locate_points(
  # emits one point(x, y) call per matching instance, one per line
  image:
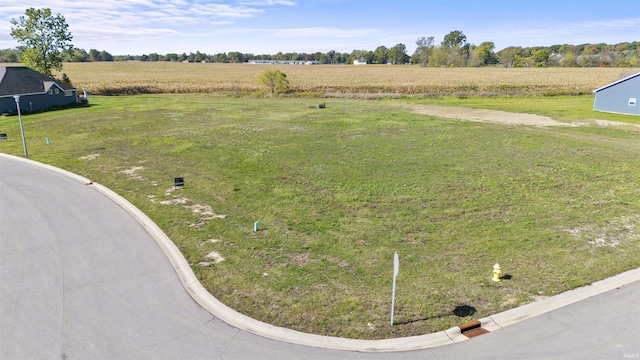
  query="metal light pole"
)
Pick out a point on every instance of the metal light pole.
point(24, 141)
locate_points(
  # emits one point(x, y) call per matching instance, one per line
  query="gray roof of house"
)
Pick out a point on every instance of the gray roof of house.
point(21, 80)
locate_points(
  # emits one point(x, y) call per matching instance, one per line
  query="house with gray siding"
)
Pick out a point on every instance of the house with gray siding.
point(619, 97)
point(37, 91)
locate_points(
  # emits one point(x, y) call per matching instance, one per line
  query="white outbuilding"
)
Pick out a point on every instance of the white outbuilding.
point(360, 61)
point(619, 97)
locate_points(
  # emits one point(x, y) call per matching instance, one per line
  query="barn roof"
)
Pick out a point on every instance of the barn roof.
point(617, 82)
point(21, 80)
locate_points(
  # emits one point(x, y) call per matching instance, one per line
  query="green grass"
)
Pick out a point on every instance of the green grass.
point(336, 191)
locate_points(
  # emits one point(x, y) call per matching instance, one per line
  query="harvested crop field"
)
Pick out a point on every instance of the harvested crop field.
point(122, 78)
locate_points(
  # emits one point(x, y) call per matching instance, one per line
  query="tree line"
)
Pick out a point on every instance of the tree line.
point(449, 53)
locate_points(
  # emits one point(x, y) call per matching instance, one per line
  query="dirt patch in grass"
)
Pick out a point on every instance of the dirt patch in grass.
point(205, 210)
point(501, 117)
point(611, 235)
point(215, 257)
point(483, 115)
point(299, 259)
point(89, 157)
point(174, 201)
point(131, 172)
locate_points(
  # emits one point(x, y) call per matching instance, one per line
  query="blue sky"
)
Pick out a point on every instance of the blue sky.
point(267, 26)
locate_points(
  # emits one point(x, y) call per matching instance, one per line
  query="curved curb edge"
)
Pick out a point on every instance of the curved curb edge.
point(243, 322)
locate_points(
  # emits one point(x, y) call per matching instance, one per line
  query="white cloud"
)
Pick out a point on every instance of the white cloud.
point(321, 32)
point(223, 11)
point(618, 24)
point(130, 20)
point(268, 2)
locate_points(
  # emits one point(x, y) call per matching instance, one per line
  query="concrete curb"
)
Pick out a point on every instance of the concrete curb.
point(533, 309)
point(242, 322)
point(62, 172)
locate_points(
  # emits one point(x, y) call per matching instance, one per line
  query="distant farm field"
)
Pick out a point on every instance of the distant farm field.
point(126, 78)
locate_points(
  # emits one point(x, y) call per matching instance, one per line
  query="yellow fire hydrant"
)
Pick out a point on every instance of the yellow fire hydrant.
point(496, 272)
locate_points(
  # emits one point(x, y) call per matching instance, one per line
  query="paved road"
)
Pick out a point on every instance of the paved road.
point(80, 278)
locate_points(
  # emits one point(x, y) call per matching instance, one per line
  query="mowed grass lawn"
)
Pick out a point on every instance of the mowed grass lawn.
point(337, 191)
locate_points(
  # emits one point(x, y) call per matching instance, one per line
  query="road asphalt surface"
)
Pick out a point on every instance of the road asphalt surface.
point(81, 277)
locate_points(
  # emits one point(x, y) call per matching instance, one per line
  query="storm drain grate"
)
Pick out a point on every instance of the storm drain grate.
point(472, 329)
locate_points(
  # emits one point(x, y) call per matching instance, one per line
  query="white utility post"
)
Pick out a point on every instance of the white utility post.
point(24, 141)
point(396, 268)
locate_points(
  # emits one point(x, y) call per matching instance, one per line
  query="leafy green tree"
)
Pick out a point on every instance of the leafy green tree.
point(45, 38)
point(566, 49)
point(293, 56)
point(484, 54)
point(398, 54)
point(569, 60)
point(456, 47)
point(105, 56)
point(327, 58)
point(222, 58)
point(508, 56)
point(332, 56)
point(65, 79)
point(541, 57)
point(424, 50)
point(237, 57)
point(454, 39)
point(9, 56)
point(380, 55)
point(78, 55)
point(94, 55)
point(274, 80)
point(171, 57)
point(439, 57)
